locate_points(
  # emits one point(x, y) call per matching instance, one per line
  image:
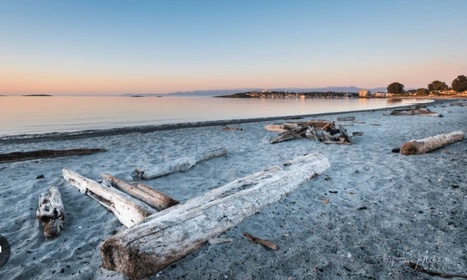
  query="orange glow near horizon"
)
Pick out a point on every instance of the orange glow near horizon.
point(114, 82)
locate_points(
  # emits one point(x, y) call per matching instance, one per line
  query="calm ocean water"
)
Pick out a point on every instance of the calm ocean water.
point(33, 115)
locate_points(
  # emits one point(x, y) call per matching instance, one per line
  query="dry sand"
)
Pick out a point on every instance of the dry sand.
point(416, 206)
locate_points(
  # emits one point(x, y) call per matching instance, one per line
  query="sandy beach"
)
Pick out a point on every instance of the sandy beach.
point(413, 208)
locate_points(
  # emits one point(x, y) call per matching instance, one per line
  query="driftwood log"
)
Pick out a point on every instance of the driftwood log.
point(169, 235)
point(51, 212)
point(414, 111)
point(178, 165)
point(129, 211)
point(22, 156)
point(151, 197)
point(290, 134)
point(292, 125)
point(418, 147)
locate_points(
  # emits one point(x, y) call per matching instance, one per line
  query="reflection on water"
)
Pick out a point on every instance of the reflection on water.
point(27, 115)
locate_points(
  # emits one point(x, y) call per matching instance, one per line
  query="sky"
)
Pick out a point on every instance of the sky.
point(161, 46)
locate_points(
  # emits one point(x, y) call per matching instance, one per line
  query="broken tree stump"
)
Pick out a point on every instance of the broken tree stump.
point(178, 165)
point(151, 197)
point(51, 212)
point(418, 147)
point(22, 156)
point(129, 211)
point(169, 235)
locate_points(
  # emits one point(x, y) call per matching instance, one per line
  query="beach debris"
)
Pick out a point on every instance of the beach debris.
point(215, 241)
point(357, 133)
point(232, 128)
point(434, 273)
point(178, 165)
point(22, 156)
point(291, 125)
point(362, 208)
point(151, 197)
point(170, 235)
point(265, 243)
point(322, 131)
point(325, 201)
point(346, 119)
point(461, 104)
point(418, 147)
point(39, 177)
point(414, 111)
point(129, 211)
point(51, 212)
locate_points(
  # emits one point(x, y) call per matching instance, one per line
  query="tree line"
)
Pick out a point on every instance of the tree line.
point(459, 84)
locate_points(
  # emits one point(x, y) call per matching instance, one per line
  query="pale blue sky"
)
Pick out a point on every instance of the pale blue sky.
point(164, 46)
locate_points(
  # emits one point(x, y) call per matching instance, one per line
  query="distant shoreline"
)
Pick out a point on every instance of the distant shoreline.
point(37, 95)
point(61, 136)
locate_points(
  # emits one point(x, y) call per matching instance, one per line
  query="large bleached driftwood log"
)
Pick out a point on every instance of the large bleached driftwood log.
point(179, 165)
point(129, 211)
point(169, 235)
point(51, 212)
point(149, 196)
point(418, 147)
point(21, 156)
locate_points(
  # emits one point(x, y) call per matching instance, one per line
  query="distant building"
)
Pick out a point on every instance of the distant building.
point(364, 93)
point(379, 94)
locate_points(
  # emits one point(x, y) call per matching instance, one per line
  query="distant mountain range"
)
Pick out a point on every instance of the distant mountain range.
point(219, 92)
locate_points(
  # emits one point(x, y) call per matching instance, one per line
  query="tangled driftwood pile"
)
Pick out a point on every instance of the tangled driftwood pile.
point(320, 130)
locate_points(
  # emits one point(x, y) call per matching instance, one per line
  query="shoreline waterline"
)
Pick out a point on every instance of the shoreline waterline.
point(81, 134)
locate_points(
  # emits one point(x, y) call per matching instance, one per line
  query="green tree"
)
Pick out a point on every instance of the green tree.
point(422, 91)
point(460, 83)
point(437, 85)
point(396, 88)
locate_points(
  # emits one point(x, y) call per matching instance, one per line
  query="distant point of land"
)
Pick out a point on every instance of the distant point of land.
point(38, 95)
point(284, 94)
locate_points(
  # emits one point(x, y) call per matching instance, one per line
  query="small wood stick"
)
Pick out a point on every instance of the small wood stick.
point(265, 243)
point(434, 273)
